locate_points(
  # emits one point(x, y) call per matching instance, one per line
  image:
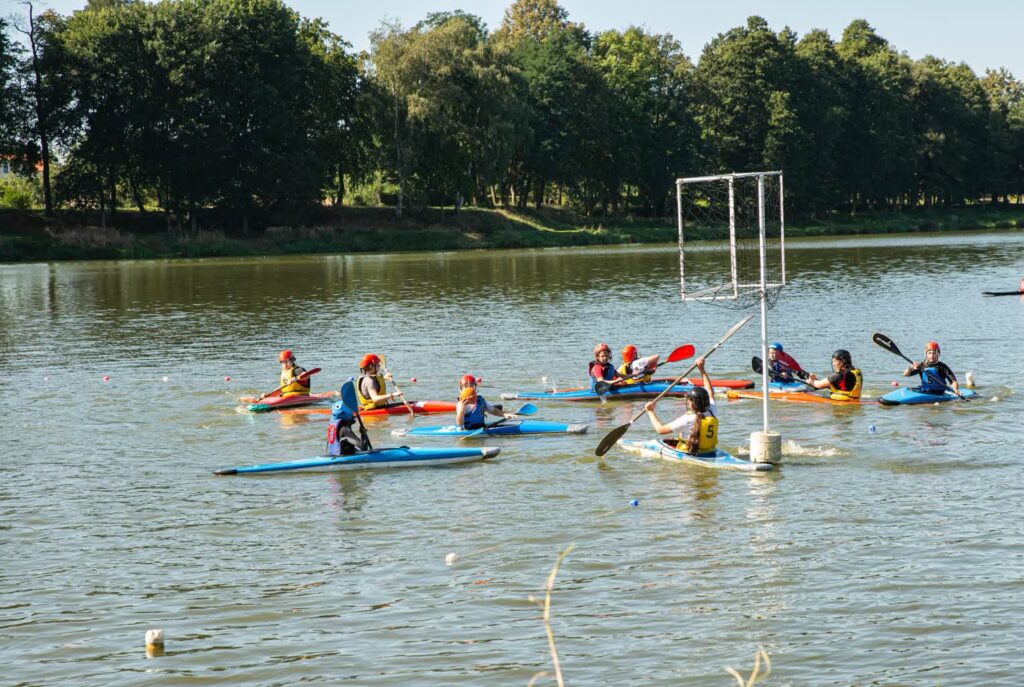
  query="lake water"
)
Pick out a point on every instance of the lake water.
point(891, 557)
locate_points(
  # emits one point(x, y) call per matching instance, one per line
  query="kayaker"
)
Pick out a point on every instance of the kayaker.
point(372, 389)
point(291, 385)
point(635, 369)
point(698, 427)
point(935, 375)
point(341, 436)
point(845, 382)
point(472, 408)
point(601, 368)
point(781, 365)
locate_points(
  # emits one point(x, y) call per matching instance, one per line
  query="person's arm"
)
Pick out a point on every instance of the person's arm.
point(460, 413)
point(912, 369)
point(373, 393)
point(819, 383)
point(951, 378)
point(498, 411)
point(659, 426)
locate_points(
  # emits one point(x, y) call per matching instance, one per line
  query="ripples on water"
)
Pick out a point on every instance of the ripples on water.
point(888, 558)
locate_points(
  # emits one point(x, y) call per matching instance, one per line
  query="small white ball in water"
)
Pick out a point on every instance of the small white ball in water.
point(970, 379)
point(166, 378)
point(451, 558)
point(543, 380)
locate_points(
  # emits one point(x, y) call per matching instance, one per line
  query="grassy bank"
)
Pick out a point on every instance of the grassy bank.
point(27, 236)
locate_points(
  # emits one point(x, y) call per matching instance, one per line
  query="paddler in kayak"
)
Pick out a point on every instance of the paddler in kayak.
point(341, 437)
point(291, 385)
point(601, 368)
point(698, 427)
point(935, 375)
point(781, 365)
point(472, 408)
point(845, 382)
point(634, 369)
point(372, 390)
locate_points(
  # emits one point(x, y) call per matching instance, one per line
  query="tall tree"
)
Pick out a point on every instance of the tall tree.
point(11, 94)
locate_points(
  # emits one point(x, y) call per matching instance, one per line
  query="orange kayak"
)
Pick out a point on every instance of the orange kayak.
point(794, 396)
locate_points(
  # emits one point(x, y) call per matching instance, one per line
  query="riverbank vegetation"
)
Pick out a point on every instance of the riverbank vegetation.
point(221, 121)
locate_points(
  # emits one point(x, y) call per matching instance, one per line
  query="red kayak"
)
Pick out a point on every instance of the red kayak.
point(263, 405)
point(419, 407)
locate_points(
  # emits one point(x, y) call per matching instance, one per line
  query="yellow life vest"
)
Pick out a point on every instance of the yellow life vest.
point(382, 390)
point(850, 394)
point(625, 372)
point(708, 442)
point(291, 385)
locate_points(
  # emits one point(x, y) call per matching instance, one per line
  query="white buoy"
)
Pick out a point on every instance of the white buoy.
point(766, 447)
point(166, 378)
point(154, 643)
point(451, 558)
point(970, 379)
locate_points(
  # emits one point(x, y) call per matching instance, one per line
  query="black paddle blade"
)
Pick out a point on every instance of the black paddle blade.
point(601, 388)
point(610, 439)
point(756, 365)
point(886, 343)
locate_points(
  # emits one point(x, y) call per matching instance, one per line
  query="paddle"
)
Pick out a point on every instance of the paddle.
point(301, 378)
point(799, 375)
point(889, 345)
point(682, 353)
point(348, 397)
point(526, 409)
point(617, 433)
point(408, 406)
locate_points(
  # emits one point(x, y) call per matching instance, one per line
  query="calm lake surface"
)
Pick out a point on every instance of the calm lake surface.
point(892, 557)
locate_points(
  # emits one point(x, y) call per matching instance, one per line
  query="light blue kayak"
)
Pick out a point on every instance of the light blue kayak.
point(906, 396)
point(648, 390)
point(788, 386)
point(401, 457)
point(665, 448)
point(512, 428)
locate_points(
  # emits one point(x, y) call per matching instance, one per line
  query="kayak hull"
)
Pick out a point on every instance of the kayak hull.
point(715, 383)
point(793, 397)
point(418, 407)
point(269, 403)
point(721, 460)
point(401, 457)
point(626, 391)
point(908, 396)
point(515, 428)
point(787, 386)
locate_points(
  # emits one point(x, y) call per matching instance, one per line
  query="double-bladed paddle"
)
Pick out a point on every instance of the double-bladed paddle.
point(800, 375)
point(525, 410)
point(304, 376)
point(890, 345)
point(617, 433)
point(348, 397)
point(682, 353)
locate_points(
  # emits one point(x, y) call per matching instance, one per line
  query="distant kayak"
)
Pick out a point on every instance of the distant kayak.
point(795, 397)
point(914, 396)
point(666, 448)
point(1003, 293)
point(419, 408)
point(649, 390)
point(401, 457)
point(263, 405)
point(512, 428)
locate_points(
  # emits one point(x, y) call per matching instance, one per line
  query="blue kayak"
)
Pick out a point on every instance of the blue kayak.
point(907, 396)
point(401, 457)
point(512, 428)
point(648, 390)
point(666, 448)
point(788, 386)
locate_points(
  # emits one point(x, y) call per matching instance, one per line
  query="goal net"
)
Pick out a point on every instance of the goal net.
point(730, 226)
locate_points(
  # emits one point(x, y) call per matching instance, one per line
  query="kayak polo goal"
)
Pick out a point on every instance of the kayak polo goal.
point(732, 253)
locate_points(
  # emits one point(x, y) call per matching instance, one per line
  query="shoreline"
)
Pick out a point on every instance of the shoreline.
point(26, 236)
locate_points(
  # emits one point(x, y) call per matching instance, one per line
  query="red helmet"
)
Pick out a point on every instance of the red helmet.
point(931, 346)
point(602, 347)
point(466, 380)
point(369, 359)
point(629, 353)
point(286, 354)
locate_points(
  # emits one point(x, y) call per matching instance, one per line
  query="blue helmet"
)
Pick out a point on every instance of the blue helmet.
point(777, 346)
point(340, 411)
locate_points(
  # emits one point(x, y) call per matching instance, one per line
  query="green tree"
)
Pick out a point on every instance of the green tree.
point(11, 95)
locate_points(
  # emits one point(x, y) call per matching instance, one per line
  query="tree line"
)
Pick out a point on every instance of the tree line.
point(243, 107)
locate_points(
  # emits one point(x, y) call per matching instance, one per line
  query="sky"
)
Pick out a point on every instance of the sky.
point(982, 33)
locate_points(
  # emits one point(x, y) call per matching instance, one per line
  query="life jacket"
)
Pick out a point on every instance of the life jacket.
point(626, 370)
point(607, 372)
point(295, 387)
point(476, 417)
point(931, 380)
point(337, 434)
point(382, 390)
point(840, 394)
point(708, 441)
